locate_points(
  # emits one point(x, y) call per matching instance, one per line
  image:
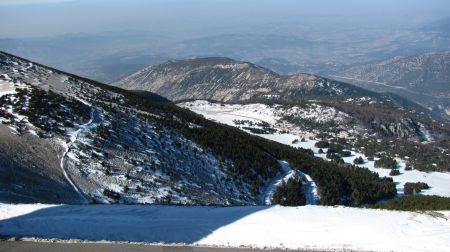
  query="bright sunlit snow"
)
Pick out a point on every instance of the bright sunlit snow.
point(307, 227)
point(227, 113)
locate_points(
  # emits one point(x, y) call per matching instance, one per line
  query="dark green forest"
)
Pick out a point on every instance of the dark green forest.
point(416, 203)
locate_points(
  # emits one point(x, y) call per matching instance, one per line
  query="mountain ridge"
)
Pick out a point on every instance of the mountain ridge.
point(188, 79)
point(423, 78)
point(226, 80)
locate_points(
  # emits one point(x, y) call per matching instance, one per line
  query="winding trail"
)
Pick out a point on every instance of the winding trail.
point(72, 139)
point(311, 191)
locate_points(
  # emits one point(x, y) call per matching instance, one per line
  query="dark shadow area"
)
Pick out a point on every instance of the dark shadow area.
point(134, 223)
point(33, 184)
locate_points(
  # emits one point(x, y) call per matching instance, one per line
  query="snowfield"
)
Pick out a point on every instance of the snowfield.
point(227, 113)
point(307, 227)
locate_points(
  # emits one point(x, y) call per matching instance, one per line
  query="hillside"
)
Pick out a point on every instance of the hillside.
point(227, 80)
point(221, 79)
point(423, 78)
point(66, 139)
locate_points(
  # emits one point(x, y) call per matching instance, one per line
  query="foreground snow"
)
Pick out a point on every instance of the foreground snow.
point(313, 227)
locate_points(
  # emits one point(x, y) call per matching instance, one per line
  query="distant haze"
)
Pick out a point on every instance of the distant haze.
point(28, 18)
point(106, 39)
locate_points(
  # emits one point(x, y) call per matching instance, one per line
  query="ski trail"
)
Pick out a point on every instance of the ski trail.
point(72, 139)
point(311, 192)
point(270, 190)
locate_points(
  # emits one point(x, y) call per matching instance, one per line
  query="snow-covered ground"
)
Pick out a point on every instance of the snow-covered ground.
point(227, 113)
point(7, 87)
point(438, 181)
point(307, 227)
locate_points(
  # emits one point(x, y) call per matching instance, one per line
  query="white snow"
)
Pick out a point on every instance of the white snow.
point(7, 87)
point(307, 227)
point(73, 138)
point(227, 113)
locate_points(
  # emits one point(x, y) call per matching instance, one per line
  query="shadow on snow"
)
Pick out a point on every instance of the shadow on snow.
point(134, 223)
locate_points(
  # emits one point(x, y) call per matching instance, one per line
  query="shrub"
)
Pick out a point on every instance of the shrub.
point(414, 188)
point(408, 167)
point(111, 194)
point(322, 144)
point(394, 172)
point(358, 161)
point(386, 162)
point(346, 153)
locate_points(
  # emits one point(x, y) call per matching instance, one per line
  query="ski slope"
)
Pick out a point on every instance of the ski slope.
point(307, 227)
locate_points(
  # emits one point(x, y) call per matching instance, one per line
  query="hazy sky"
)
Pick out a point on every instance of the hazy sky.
point(32, 18)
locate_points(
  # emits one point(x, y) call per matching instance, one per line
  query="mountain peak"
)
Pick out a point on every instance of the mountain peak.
point(225, 79)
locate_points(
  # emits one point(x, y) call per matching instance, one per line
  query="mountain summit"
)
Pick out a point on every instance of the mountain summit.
point(228, 80)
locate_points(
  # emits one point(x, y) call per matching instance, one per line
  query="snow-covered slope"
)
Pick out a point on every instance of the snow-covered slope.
point(72, 140)
point(289, 134)
point(308, 227)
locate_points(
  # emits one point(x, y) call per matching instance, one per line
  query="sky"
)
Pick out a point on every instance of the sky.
point(40, 18)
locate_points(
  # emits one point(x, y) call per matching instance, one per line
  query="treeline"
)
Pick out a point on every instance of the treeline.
point(416, 203)
point(338, 183)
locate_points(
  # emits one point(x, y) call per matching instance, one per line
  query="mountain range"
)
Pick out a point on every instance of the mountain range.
point(227, 80)
point(423, 78)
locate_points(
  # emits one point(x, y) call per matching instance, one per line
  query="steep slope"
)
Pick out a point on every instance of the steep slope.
point(73, 140)
point(424, 77)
